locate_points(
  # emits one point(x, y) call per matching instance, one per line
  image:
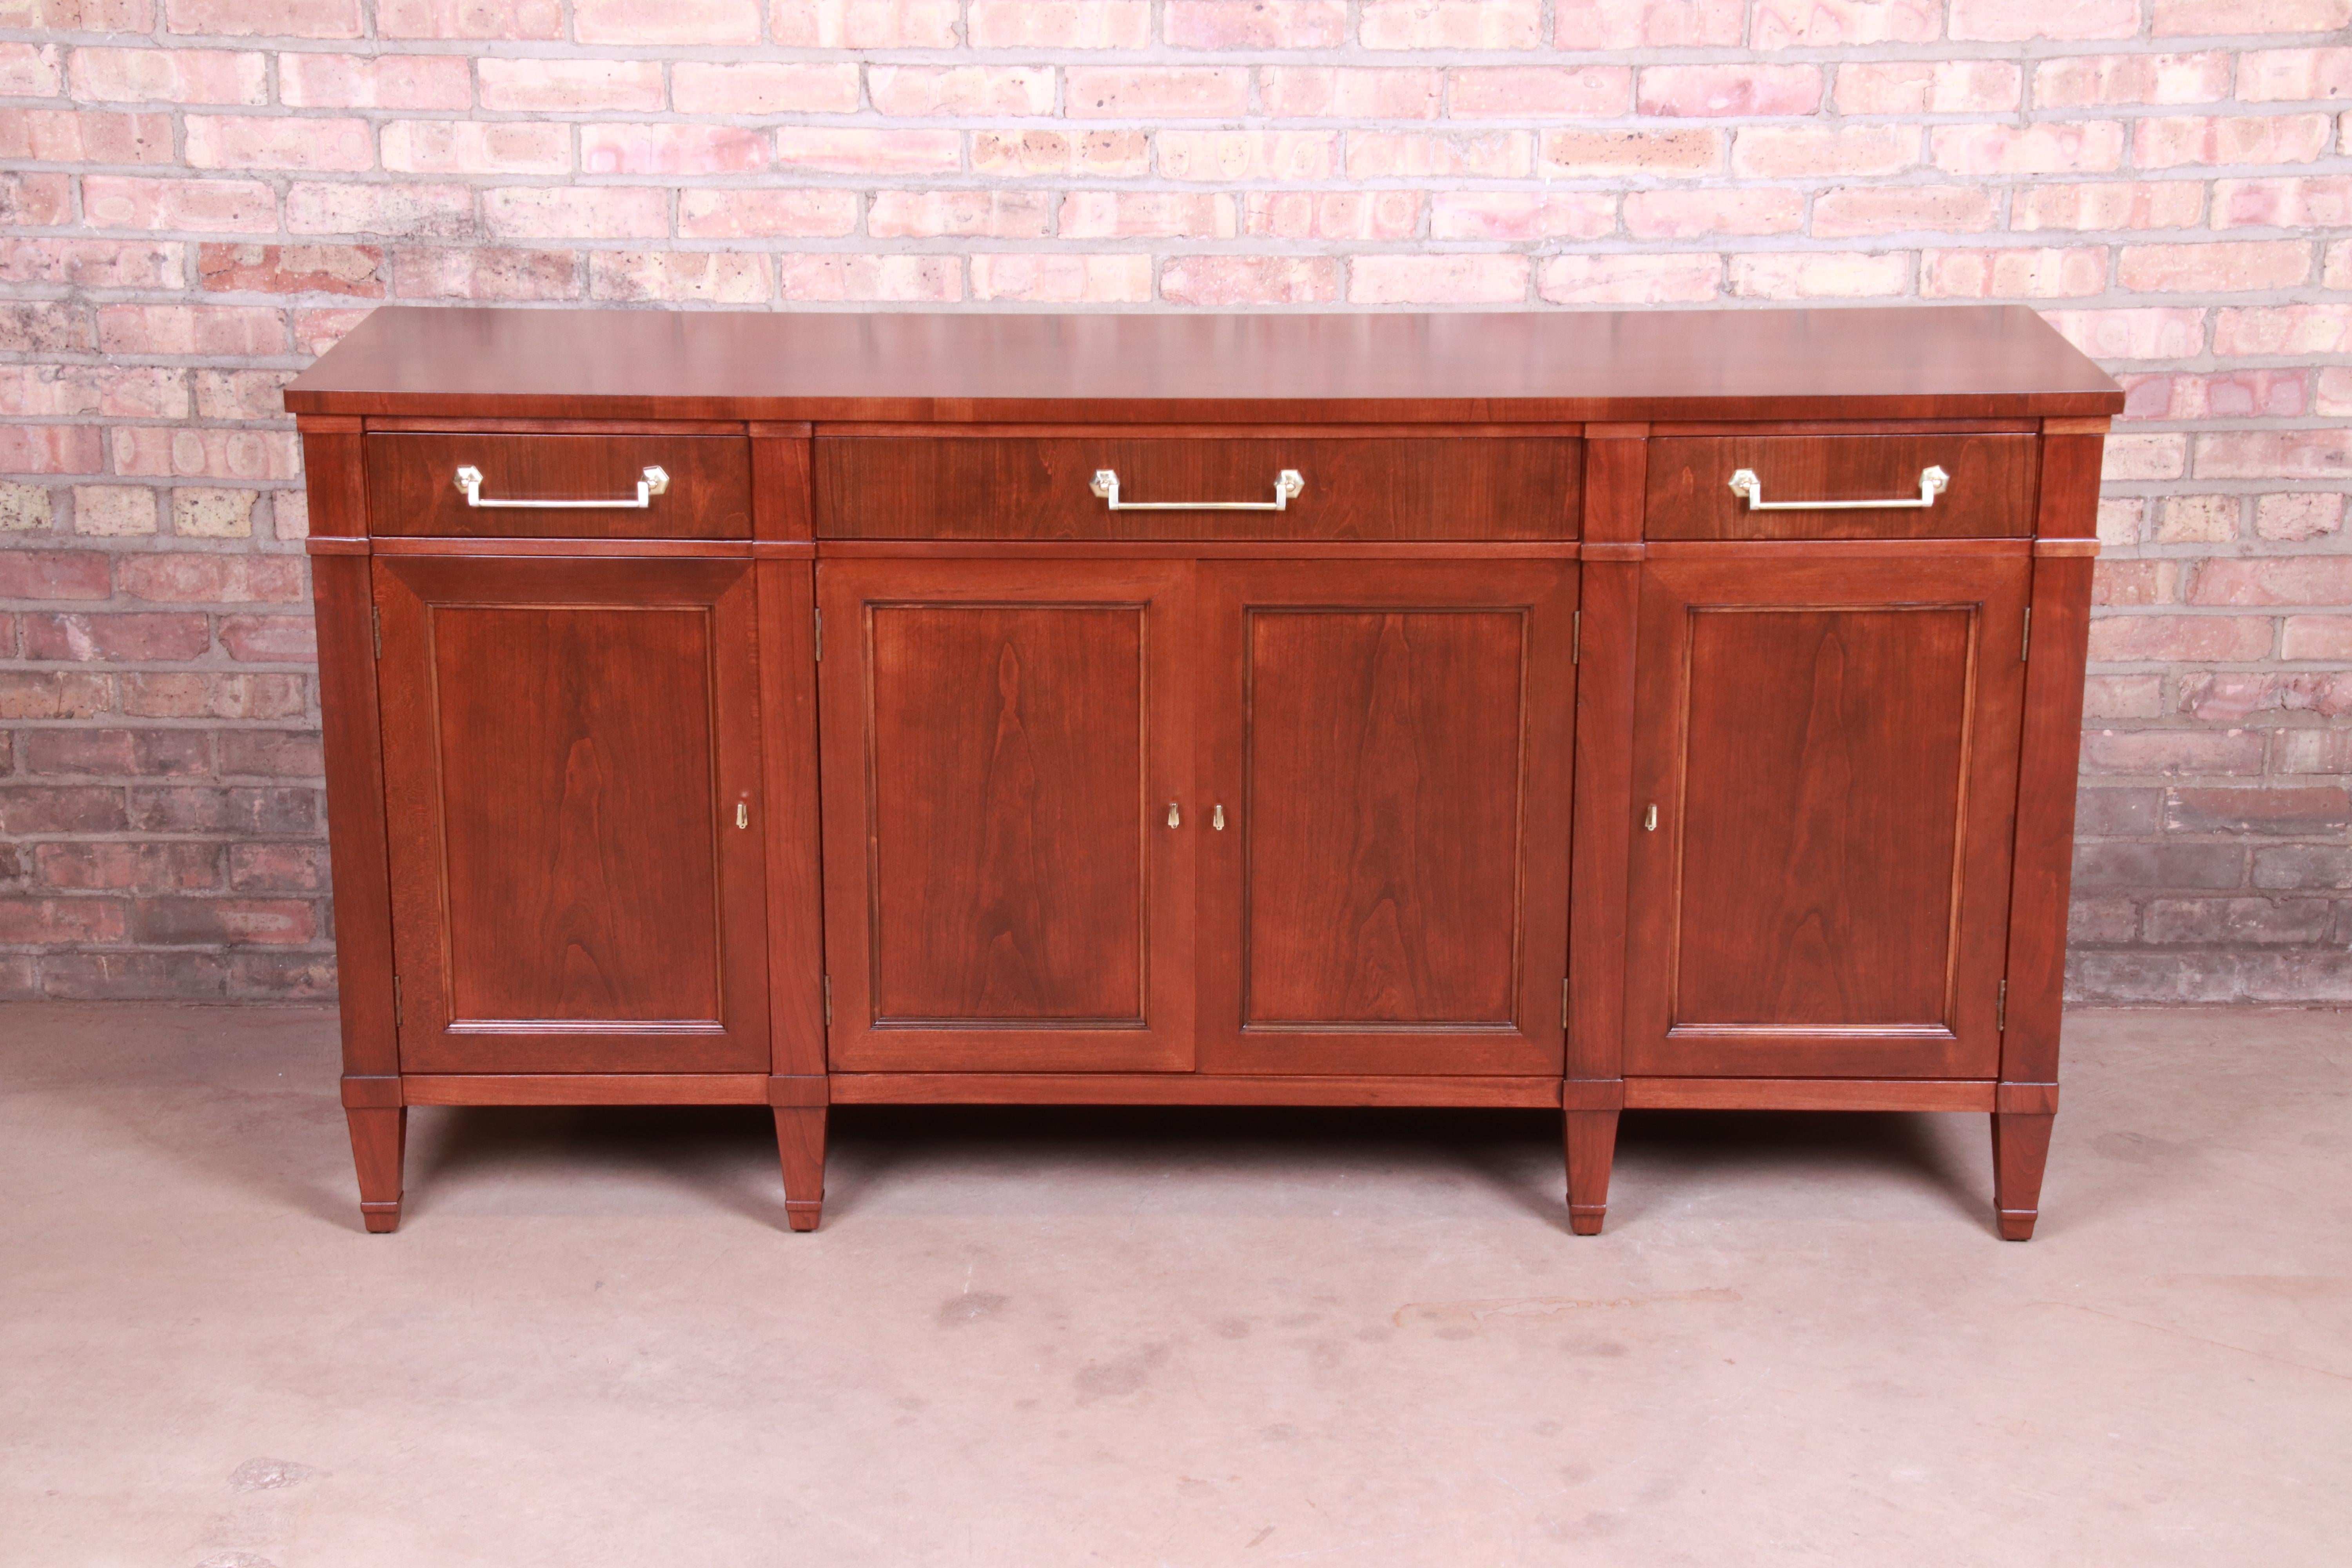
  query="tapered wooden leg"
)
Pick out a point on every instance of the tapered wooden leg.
point(2021, 1148)
point(379, 1145)
point(800, 1141)
point(1591, 1138)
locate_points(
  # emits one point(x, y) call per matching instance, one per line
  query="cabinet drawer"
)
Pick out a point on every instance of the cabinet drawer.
point(414, 486)
point(1351, 487)
point(1988, 491)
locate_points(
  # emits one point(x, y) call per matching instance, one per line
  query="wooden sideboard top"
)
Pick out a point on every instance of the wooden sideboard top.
point(1918, 362)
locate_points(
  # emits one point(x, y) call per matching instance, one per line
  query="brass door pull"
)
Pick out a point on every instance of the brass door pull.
point(1744, 482)
point(1287, 484)
point(653, 483)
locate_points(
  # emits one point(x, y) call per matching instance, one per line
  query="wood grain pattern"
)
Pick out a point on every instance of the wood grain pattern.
point(2021, 1151)
point(1907, 362)
point(1001, 743)
point(379, 1149)
point(1990, 493)
point(800, 1149)
point(786, 592)
point(1589, 1139)
point(1807, 1094)
point(584, 1089)
point(1390, 746)
point(1194, 1088)
point(411, 488)
point(1038, 486)
point(568, 742)
point(1831, 752)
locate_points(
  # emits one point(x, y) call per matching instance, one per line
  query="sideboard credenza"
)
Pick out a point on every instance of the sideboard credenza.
point(1586, 711)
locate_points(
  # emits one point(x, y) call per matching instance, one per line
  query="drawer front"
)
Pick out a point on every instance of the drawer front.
point(1988, 491)
point(1042, 487)
point(413, 488)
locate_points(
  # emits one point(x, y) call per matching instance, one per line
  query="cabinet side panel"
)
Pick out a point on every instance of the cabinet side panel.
point(2049, 762)
point(343, 603)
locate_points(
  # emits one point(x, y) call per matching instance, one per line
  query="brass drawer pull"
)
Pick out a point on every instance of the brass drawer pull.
point(469, 479)
point(1744, 482)
point(1287, 484)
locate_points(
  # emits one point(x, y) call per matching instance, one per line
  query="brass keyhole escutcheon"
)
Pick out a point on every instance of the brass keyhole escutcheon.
point(1175, 817)
point(1650, 818)
point(1217, 818)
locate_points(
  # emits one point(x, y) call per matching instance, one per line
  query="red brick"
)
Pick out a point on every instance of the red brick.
point(278, 141)
point(135, 391)
point(1333, 214)
point(803, 88)
point(1155, 92)
point(152, 450)
point(994, 213)
point(39, 199)
point(2296, 812)
point(2047, 147)
point(268, 18)
point(47, 922)
point(1097, 214)
point(1647, 24)
point(1546, 93)
point(168, 865)
point(2279, 580)
point(1855, 211)
point(569, 86)
point(478, 147)
point(1255, 24)
point(209, 578)
point(269, 638)
point(2273, 75)
point(1225, 280)
point(2176, 17)
point(2320, 454)
point(173, 694)
point(1494, 154)
point(714, 276)
point(1062, 278)
point(1928, 86)
point(2299, 330)
point(255, 810)
point(1830, 24)
point(1630, 279)
point(71, 136)
point(1222, 156)
point(264, 973)
point(94, 263)
point(1603, 153)
point(874, 24)
point(1518, 214)
point(635, 148)
point(1772, 152)
point(1690, 214)
point(836, 276)
point(2232, 639)
point(492, 272)
point(2127, 582)
point(152, 754)
point(1320, 92)
point(137, 636)
point(1729, 89)
point(469, 19)
point(54, 694)
point(44, 327)
point(379, 81)
point(2213, 266)
point(1445, 24)
point(849, 149)
point(215, 206)
point(178, 922)
point(700, 22)
point(1482, 280)
point(2167, 143)
point(2146, 333)
point(291, 269)
point(2203, 77)
point(277, 868)
point(191, 329)
point(29, 809)
point(738, 214)
point(128, 976)
point(2172, 752)
point(30, 70)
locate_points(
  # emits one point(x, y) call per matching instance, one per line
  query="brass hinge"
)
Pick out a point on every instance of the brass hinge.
point(375, 619)
point(2000, 1010)
point(828, 1001)
point(1576, 639)
point(2025, 637)
point(820, 636)
point(1563, 1004)
point(396, 1001)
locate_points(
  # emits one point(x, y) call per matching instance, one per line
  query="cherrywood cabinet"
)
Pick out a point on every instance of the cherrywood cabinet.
point(1575, 711)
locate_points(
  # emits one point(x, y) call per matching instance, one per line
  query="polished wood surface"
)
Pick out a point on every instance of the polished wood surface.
point(1388, 748)
point(1990, 493)
point(567, 746)
point(1899, 362)
point(1003, 743)
point(1023, 486)
point(411, 486)
point(1194, 1088)
point(1830, 747)
point(1430, 701)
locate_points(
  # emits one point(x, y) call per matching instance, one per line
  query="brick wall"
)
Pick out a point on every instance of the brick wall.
point(201, 195)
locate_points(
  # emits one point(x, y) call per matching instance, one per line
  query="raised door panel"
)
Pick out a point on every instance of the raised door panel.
point(572, 773)
point(1387, 748)
point(1828, 744)
point(1002, 746)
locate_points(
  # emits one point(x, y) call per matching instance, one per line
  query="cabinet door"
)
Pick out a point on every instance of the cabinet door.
point(572, 773)
point(1388, 747)
point(1003, 743)
point(1828, 736)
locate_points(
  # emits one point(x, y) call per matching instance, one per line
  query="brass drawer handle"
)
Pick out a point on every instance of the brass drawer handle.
point(469, 479)
point(1287, 484)
point(1744, 482)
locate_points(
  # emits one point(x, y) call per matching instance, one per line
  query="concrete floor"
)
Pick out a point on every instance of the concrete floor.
point(1125, 1338)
